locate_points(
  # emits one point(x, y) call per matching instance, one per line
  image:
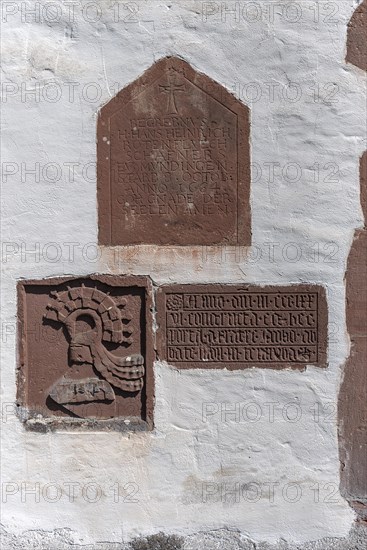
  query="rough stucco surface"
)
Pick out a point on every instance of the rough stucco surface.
point(214, 540)
point(302, 231)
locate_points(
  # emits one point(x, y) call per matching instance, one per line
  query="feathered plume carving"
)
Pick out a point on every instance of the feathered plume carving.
point(108, 321)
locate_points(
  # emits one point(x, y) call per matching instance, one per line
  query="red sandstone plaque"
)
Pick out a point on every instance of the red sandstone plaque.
point(234, 327)
point(173, 162)
point(86, 352)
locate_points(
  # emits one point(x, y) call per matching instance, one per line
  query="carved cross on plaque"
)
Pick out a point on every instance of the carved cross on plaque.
point(173, 161)
point(171, 88)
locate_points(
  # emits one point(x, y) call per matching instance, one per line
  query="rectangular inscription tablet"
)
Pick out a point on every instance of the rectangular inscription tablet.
point(227, 326)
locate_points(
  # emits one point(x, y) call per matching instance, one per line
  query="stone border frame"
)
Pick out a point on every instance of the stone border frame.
point(214, 287)
point(217, 92)
point(32, 419)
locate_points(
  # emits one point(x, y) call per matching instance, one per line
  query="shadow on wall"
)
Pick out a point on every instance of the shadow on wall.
point(160, 541)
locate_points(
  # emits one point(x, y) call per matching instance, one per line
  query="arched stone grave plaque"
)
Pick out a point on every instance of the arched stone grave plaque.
point(86, 356)
point(173, 162)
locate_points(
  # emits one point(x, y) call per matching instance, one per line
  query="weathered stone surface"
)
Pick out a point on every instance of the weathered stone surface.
point(357, 37)
point(80, 391)
point(214, 326)
point(173, 161)
point(86, 349)
point(353, 392)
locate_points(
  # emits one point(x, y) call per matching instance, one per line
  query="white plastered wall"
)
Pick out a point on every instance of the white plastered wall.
point(312, 131)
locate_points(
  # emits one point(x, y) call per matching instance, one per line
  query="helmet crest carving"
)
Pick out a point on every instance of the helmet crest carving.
point(108, 320)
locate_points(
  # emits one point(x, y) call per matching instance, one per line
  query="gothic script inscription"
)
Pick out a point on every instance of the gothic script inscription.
point(213, 326)
point(173, 162)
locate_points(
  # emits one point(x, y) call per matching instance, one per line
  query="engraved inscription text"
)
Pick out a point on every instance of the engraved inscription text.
point(242, 327)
